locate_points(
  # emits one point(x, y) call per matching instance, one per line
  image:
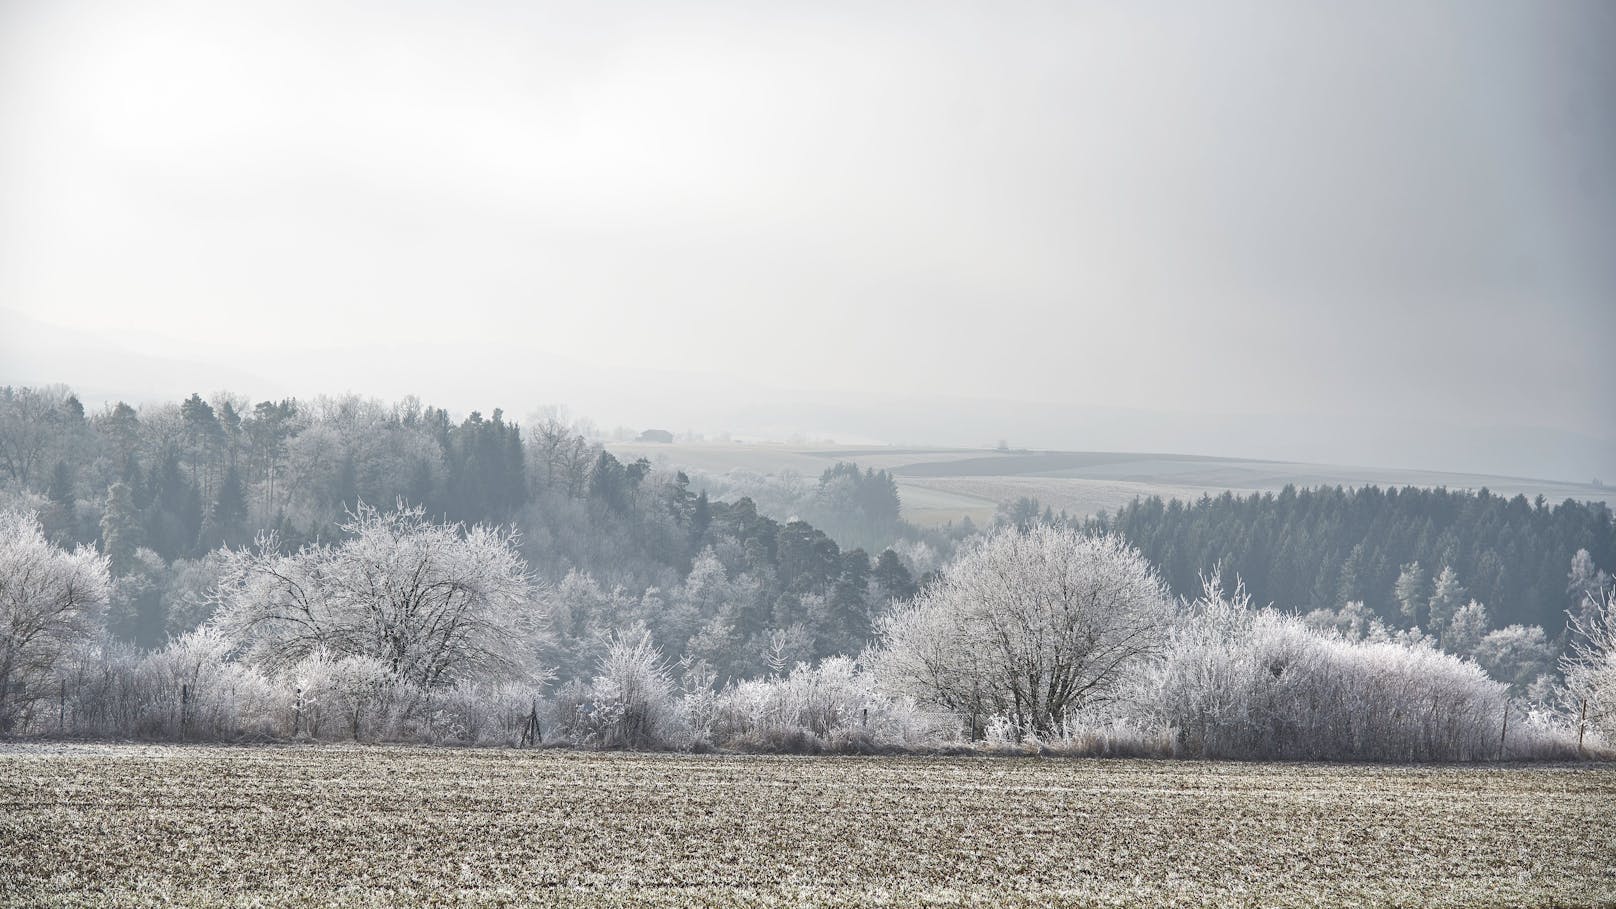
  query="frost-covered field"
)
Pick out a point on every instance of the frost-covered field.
point(304, 826)
point(939, 484)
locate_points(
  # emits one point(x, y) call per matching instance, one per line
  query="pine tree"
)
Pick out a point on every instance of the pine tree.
point(173, 519)
point(202, 434)
point(1586, 583)
point(849, 606)
point(60, 489)
point(120, 528)
point(1411, 592)
point(1352, 586)
point(122, 429)
point(346, 494)
point(1466, 629)
point(58, 516)
point(228, 516)
point(701, 518)
point(892, 577)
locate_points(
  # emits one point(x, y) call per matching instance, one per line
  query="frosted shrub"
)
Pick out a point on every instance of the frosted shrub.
point(1255, 683)
point(352, 697)
point(360, 698)
point(571, 713)
point(97, 679)
point(1000, 732)
point(477, 714)
point(1107, 734)
point(362, 688)
point(833, 706)
point(191, 690)
point(630, 703)
point(186, 690)
point(698, 707)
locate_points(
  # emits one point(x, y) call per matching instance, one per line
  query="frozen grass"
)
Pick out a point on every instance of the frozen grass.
point(374, 826)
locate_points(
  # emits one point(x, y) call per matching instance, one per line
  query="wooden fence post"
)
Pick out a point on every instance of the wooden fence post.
point(531, 734)
point(1582, 726)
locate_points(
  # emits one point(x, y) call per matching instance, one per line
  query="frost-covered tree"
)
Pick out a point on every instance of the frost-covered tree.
point(1029, 626)
point(30, 421)
point(135, 611)
point(49, 600)
point(1352, 621)
point(434, 603)
point(1517, 654)
point(1586, 584)
point(1447, 596)
point(1412, 592)
point(1466, 629)
point(120, 527)
point(1585, 581)
point(1590, 666)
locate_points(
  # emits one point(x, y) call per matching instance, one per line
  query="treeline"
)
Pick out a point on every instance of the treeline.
point(342, 566)
point(163, 489)
point(410, 629)
point(857, 508)
point(1325, 548)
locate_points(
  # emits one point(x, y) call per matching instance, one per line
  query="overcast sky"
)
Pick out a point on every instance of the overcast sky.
point(1371, 211)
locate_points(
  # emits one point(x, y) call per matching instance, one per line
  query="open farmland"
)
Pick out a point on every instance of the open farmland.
point(938, 485)
point(304, 826)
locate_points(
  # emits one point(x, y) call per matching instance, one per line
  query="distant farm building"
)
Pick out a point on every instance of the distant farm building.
point(657, 435)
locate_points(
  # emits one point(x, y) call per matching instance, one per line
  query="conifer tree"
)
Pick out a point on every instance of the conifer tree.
point(1412, 592)
point(120, 528)
point(1446, 599)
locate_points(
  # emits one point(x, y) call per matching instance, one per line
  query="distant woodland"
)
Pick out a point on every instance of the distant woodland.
point(1385, 548)
point(161, 489)
point(219, 568)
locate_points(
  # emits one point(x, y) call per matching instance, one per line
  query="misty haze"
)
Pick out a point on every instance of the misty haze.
point(750, 454)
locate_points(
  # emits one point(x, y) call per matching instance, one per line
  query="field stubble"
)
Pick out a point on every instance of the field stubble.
point(323, 825)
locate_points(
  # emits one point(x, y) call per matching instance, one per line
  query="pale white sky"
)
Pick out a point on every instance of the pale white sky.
point(1376, 211)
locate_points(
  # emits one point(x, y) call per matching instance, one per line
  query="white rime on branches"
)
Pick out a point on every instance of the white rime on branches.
point(633, 703)
point(1031, 626)
point(50, 599)
point(634, 680)
point(1238, 682)
point(1590, 664)
point(434, 604)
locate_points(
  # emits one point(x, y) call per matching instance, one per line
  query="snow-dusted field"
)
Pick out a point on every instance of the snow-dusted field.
point(397, 826)
point(939, 484)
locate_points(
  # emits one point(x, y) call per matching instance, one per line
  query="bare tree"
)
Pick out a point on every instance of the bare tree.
point(434, 603)
point(49, 599)
point(1030, 626)
point(28, 427)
